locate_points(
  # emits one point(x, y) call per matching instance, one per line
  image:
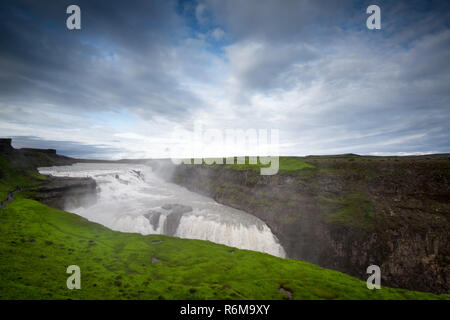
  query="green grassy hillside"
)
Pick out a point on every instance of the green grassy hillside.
point(37, 243)
point(13, 177)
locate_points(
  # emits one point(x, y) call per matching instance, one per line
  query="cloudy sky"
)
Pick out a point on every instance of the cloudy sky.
point(138, 70)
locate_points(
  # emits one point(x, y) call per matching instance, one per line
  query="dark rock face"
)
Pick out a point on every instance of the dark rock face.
point(177, 208)
point(5, 143)
point(172, 223)
point(46, 151)
point(153, 218)
point(66, 192)
point(173, 218)
point(5, 146)
point(348, 215)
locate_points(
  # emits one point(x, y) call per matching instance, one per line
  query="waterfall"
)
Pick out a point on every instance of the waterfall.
point(132, 198)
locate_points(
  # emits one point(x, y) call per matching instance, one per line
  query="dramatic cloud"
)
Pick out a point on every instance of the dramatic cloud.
point(137, 70)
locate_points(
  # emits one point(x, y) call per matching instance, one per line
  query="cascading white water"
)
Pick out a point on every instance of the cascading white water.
point(132, 198)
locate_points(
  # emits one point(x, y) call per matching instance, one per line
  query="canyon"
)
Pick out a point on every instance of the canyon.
point(348, 212)
point(339, 212)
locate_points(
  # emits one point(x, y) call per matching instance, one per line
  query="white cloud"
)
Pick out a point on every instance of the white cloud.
point(217, 34)
point(130, 135)
point(344, 90)
point(200, 13)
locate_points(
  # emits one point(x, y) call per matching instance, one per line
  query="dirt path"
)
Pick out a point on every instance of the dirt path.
point(9, 199)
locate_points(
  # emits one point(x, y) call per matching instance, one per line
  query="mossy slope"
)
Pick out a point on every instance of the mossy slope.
point(13, 177)
point(38, 243)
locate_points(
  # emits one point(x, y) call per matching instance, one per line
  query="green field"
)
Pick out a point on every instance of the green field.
point(38, 243)
point(286, 164)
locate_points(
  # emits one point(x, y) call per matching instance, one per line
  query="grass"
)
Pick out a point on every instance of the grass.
point(38, 243)
point(13, 177)
point(355, 210)
point(286, 165)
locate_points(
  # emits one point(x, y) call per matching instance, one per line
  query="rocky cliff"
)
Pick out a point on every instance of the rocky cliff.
point(5, 146)
point(60, 193)
point(347, 213)
point(32, 150)
point(65, 192)
point(29, 158)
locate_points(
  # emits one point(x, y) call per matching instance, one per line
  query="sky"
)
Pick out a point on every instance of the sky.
point(138, 71)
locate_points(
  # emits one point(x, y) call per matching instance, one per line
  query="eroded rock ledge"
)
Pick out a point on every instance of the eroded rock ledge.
point(66, 192)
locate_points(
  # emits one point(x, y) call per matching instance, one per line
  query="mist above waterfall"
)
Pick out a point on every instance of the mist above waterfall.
point(131, 198)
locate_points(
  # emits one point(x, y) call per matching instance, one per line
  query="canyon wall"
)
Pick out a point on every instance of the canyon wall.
point(66, 192)
point(346, 214)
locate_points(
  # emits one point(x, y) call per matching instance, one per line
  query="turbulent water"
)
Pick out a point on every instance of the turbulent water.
point(132, 198)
